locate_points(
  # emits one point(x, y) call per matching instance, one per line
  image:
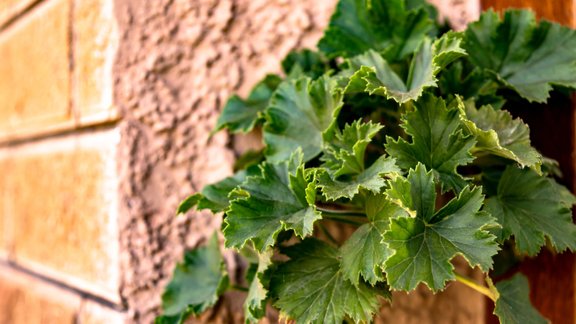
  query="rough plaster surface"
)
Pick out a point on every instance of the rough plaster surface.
point(177, 63)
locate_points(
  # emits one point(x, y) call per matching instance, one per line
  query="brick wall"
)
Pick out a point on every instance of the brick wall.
point(59, 236)
point(105, 109)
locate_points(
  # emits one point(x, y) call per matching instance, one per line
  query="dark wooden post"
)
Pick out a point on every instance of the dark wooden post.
point(552, 276)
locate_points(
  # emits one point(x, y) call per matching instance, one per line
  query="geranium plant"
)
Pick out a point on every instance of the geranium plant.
point(396, 127)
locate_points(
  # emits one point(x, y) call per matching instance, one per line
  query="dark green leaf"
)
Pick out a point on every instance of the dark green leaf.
point(216, 196)
point(196, 283)
point(526, 56)
point(364, 253)
point(280, 198)
point(513, 304)
point(310, 288)
point(241, 115)
point(188, 203)
point(437, 141)
point(359, 25)
point(344, 155)
point(299, 113)
point(305, 62)
point(498, 133)
point(531, 208)
point(424, 245)
point(375, 75)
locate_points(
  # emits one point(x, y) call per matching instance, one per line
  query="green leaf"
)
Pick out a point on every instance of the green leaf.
point(299, 113)
point(280, 198)
point(241, 115)
point(344, 155)
point(188, 203)
point(216, 196)
point(359, 25)
point(310, 288)
point(425, 244)
point(375, 75)
point(370, 179)
point(255, 304)
point(305, 62)
point(532, 208)
point(177, 319)
point(498, 133)
point(513, 304)
point(344, 173)
point(446, 50)
point(526, 56)
point(437, 141)
point(364, 253)
point(470, 82)
point(196, 283)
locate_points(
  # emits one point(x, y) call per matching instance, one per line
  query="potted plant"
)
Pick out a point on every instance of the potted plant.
point(397, 127)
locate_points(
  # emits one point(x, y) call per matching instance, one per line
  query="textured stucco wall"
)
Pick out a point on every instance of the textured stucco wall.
point(177, 63)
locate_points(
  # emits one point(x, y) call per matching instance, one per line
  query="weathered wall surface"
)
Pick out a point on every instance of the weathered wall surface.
point(178, 61)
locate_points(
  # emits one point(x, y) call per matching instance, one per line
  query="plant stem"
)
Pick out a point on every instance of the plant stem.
point(479, 288)
point(342, 219)
point(238, 288)
point(328, 235)
point(348, 212)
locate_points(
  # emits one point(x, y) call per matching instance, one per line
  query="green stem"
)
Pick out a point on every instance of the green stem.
point(479, 288)
point(328, 235)
point(239, 288)
point(341, 219)
point(348, 212)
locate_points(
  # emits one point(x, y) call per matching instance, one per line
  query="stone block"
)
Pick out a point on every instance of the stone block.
point(94, 313)
point(11, 8)
point(95, 44)
point(60, 208)
point(35, 72)
point(25, 299)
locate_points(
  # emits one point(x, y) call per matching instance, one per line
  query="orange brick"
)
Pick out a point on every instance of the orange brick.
point(10, 8)
point(25, 299)
point(61, 203)
point(35, 71)
point(95, 43)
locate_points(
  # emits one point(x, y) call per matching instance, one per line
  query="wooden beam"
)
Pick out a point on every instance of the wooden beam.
point(552, 276)
point(562, 11)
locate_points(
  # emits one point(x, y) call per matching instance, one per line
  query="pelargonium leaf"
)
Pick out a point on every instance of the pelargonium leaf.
point(513, 304)
point(343, 173)
point(498, 133)
point(344, 154)
point(241, 115)
point(216, 196)
point(196, 283)
point(310, 287)
point(424, 245)
point(526, 56)
point(437, 141)
point(359, 25)
point(299, 113)
point(255, 304)
point(279, 198)
point(371, 179)
point(376, 76)
point(364, 253)
point(305, 62)
point(532, 208)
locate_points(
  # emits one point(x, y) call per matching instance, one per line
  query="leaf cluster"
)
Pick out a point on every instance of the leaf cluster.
point(398, 128)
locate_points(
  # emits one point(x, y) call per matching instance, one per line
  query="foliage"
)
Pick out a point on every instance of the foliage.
point(397, 128)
